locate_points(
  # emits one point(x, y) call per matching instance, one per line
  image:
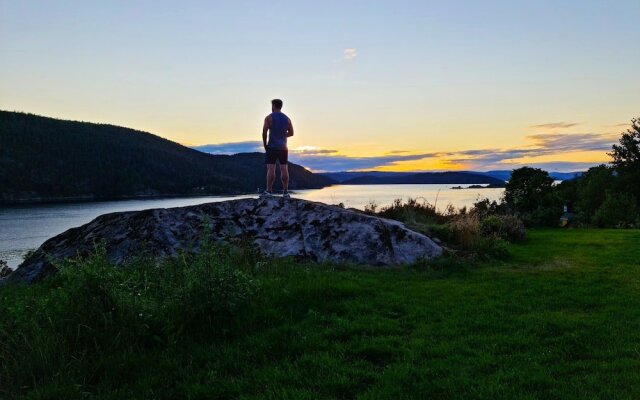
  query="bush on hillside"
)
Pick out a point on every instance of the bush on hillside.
point(4, 268)
point(507, 227)
point(617, 211)
point(470, 237)
point(411, 211)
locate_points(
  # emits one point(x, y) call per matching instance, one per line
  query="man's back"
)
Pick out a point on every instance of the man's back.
point(278, 130)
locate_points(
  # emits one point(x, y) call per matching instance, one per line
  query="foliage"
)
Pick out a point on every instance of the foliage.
point(591, 190)
point(480, 232)
point(527, 189)
point(411, 211)
point(626, 158)
point(505, 226)
point(530, 194)
point(4, 268)
point(514, 329)
point(626, 154)
point(608, 195)
point(617, 211)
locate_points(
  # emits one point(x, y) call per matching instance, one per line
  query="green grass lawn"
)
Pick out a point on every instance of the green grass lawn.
point(559, 319)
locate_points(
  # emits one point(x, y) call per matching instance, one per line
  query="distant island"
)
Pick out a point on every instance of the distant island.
point(489, 186)
point(45, 160)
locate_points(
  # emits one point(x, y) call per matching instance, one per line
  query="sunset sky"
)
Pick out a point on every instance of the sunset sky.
point(388, 85)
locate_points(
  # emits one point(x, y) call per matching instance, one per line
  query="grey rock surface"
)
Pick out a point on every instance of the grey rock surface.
point(299, 228)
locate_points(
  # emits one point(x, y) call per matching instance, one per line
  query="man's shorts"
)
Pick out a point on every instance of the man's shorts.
point(272, 155)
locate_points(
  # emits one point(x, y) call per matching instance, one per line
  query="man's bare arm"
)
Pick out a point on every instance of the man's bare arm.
point(290, 129)
point(265, 128)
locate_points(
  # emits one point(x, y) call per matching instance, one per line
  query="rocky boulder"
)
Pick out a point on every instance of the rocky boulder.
point(277, 227)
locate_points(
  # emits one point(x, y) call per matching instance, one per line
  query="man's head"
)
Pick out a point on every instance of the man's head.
point(276, 105)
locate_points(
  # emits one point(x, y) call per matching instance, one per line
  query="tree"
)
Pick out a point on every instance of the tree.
point(527, 188)
point(626, 159)
point(626, 155)
point(530, 193)
point(592, 189)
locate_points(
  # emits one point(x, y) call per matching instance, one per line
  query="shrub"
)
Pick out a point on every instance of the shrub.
point(486, 236)
point(4, 268)
point(491, 246)
point(465, 228)
point(617, 211)
point(213, 293)
point(513, 228)
point(488, 207)
point(507, 227)
point(482, 231)
point(412, 211)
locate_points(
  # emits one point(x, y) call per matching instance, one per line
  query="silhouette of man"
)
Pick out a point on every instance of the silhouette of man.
point(280, 128)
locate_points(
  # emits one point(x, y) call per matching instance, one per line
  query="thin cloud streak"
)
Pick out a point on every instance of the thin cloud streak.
point(397, 152)
point(556, 125)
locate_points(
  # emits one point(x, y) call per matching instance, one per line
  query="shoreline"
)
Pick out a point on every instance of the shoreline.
point(92, 199)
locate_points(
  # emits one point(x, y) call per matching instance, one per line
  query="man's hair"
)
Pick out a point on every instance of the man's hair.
point(277, 103)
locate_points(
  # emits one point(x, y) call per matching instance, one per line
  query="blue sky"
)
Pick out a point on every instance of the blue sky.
point(393, 85)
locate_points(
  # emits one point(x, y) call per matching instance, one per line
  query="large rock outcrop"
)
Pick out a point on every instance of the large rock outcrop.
point(298, 228)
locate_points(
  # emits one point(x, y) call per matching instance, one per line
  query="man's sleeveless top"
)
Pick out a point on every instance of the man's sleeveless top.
point(278, 131)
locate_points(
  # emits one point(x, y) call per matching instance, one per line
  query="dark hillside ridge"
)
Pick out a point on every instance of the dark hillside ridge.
point(45, 159)
point(344, 176)
point(425, 178)
point(503, 175)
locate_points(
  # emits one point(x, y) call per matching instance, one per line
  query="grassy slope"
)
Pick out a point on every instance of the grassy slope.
point(561, 319)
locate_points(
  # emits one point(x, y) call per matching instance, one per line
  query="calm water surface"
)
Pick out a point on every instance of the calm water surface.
point(25, 228)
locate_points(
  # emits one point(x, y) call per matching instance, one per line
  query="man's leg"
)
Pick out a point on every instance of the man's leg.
point(284, 176)
point(271, 176)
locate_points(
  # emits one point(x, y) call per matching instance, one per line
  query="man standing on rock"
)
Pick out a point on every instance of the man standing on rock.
point(280, 128)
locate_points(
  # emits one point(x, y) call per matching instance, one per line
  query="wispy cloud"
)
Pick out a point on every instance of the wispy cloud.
point(231, 148)
point(552, 144)
point(350, 53)
point(310, 150)
point(573, 141)
point(554, 166)
point(556, 125)
point(541, 145)
point(397, 152)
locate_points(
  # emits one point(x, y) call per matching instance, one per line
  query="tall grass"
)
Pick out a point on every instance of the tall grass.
point(84, 327)
point(57, 331)
point(479, 232)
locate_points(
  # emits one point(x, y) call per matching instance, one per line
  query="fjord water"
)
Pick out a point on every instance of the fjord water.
point(23, 228)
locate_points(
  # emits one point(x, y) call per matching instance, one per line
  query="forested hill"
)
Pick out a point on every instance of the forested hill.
point(46, 159)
